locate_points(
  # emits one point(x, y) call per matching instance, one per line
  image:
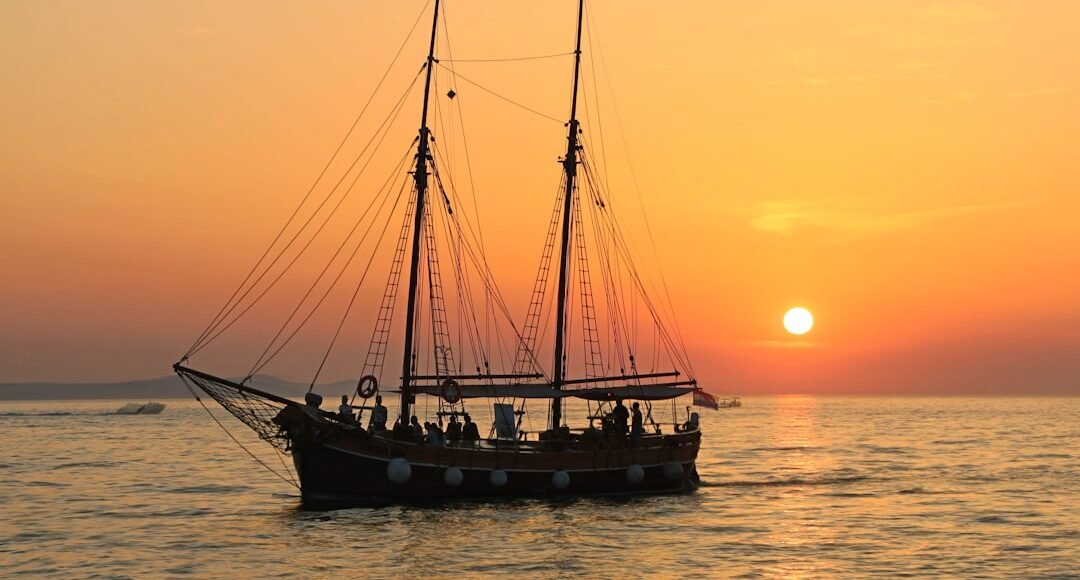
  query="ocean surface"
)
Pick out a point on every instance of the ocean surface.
point(793, 487)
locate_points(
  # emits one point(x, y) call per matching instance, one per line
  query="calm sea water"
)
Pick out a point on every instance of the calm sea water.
point(794, 487)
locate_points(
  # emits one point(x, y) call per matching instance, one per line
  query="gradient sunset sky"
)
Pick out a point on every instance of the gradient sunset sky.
point(907, 170)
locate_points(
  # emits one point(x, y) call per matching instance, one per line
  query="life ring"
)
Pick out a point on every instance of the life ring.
point(450, 391)
point(367, 386)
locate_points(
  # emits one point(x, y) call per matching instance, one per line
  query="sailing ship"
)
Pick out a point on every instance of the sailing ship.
point(340, 460)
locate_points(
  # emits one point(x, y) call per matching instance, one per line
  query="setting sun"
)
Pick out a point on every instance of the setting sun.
point(798, 321)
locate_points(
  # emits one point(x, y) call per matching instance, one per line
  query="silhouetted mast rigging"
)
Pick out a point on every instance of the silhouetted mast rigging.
point(570, 169)
point(421, 177)
point(339, 458)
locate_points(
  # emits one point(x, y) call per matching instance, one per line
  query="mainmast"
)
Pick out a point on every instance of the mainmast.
point(421, 176)
point(570, 167)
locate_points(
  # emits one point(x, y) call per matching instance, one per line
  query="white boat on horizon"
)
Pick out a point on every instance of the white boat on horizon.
point(151, 408)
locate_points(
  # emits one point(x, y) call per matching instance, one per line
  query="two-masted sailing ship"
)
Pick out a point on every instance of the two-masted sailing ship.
point(598, 404)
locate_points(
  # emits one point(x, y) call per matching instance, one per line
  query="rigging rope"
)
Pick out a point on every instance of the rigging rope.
point(507, 99)
point(509, 59)
point(613, 291)
point(385, 125)
point(681, 344)
point(214, 322)
point(262, 363)
point(489, 312)
point(291, 480)
point(466, 309)
point(596, 92)
point(356, 292)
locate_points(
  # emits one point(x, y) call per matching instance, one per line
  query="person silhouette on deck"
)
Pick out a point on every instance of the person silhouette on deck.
point(434, 435)
point(453, 430)
point(621, 417)
point(417, 428)
point(345, 410)
point(378, 415)
point(637, 425)
point(470, 433)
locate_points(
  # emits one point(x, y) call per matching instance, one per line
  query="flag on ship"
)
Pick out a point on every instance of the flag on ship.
point(703, 399)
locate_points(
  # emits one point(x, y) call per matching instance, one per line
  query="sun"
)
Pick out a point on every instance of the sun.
point(798, 320)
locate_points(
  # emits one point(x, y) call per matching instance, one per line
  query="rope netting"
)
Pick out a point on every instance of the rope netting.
point(255, 410)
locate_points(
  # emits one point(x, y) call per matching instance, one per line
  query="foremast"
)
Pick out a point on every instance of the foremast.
point(421, 177)
point(570, 169)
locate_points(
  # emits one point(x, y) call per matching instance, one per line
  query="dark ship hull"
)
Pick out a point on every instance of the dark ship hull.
point(343, 465)
point(340, 464)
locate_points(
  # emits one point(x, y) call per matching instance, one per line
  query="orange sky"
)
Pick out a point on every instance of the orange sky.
point(908, 171)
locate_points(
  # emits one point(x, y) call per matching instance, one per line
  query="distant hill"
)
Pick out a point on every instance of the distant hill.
point(167, 387)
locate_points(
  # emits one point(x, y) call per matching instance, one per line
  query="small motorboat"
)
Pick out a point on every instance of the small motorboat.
point(151, 408)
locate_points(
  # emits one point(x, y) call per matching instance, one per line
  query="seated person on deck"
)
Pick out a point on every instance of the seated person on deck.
point(402, 431)
point(453, 430)
point(434, 435)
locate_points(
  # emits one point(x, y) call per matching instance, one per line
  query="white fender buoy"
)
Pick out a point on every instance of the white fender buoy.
point(560, 479)
point(453, 476)
point(399, 470)
point(498, 478)
point(673, 470)
point(635, 473)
